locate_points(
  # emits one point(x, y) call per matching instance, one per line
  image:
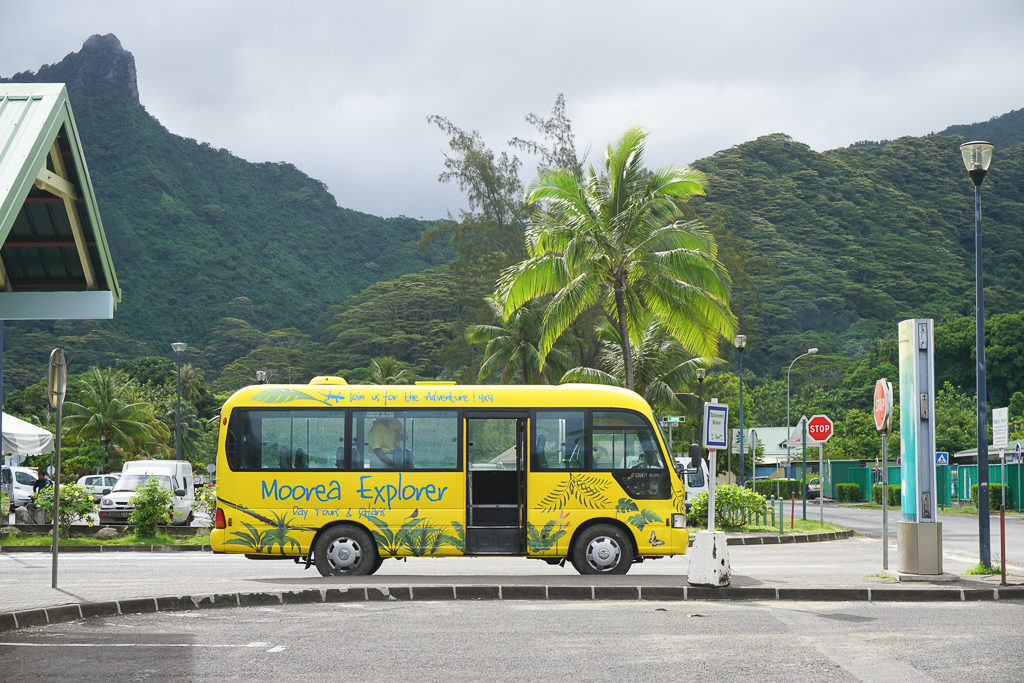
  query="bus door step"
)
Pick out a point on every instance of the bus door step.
point(493, 540)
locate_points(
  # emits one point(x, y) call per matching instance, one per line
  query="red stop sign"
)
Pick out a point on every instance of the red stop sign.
point(819, 428)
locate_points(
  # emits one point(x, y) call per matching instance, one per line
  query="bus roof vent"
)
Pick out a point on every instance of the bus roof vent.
point(327, 379)
point(432, 382)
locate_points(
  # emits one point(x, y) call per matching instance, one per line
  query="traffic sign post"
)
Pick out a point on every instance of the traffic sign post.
point(820, 429)
point(882, 412)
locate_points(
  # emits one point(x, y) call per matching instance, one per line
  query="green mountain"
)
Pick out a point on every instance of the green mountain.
point(198, 234)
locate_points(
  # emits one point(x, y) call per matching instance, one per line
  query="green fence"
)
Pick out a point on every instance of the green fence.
point(863, 474)
point(967, 476)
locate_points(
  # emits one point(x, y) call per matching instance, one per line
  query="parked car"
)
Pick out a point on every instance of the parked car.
point(95, 483)
point(173, 475)
point(814, 488)
point(23, 478)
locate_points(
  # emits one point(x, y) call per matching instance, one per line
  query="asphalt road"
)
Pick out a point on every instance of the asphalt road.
point(605, 641)
point(959, 532)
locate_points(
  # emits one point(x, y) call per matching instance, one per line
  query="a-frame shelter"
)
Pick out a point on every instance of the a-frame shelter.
point(54, 260)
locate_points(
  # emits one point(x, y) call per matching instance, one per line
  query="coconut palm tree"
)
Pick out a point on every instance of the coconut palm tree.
point(620, 241)
point(662, 368)
point(512, 343)
point(390, 370)
point(108, 410)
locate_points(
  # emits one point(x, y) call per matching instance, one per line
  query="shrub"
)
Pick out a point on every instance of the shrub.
point(728, 497)
point(848, 493)
point(995, 495)
point(75, 504)
point(206, 501)
point(151, 506)
point(783, 488)
point(894, 494)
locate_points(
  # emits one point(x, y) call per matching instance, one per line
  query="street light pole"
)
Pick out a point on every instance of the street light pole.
point(977, 156)
point(701, 374)
point(789, 432)
point(178, 347)
point(740, 342)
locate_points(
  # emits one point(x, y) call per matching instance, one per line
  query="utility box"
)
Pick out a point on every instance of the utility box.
point(919, 547)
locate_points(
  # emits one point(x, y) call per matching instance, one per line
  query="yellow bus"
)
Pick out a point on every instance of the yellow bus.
point(345, 476)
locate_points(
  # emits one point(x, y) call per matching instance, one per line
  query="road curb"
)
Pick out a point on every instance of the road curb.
point(10, 621)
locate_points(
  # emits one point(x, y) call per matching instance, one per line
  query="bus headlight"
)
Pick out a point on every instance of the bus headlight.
point(678, 520)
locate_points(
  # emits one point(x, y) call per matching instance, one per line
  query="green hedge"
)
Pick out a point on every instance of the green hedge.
point(848, 493)
point(783, 488)
point(995, 495)
point(894, 494)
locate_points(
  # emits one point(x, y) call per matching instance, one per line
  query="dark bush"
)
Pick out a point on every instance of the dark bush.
point(848, 493)
point(781, 488)
point(995, 495)
point(894, 494)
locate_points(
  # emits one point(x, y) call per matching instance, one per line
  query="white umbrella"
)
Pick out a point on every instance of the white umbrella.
point(22, 438)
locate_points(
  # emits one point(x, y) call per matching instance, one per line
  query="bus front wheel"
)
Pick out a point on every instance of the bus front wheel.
point(602, 549)
point(346, 551)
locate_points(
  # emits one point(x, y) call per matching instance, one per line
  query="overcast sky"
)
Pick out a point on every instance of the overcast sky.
point(342, 89)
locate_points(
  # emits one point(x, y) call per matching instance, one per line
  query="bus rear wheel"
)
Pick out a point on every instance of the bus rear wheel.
point(345, 551)
point(602, 549)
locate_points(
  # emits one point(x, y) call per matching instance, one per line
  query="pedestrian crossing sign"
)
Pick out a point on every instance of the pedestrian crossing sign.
point(942, 458)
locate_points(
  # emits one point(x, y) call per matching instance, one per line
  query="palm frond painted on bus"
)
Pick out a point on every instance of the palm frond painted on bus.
point(281, 395)
point(458, 539)
point(679, 500)
point(277, 534)
point(416, 536)
point(586, 490)
point(266, 520)
point(385, 537)
point(254, 539)
point(538, 540)
point(422, 540)
point(626, 505)
point(643, 518)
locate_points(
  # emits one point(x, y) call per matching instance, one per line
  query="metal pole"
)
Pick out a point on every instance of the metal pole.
point(885, 500)
point(711, 489)
point(803, 473)
point(743, 469)
point(177, 416)
point(821, 484)
point(789, 429)
point(56, 495)
point(984, 540)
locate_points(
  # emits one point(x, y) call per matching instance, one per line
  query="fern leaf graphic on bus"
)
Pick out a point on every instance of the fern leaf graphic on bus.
point(626, 505)
point(277, 533)
point(416, 537)
point(538, 540)
point(586, 490)
point(279, 395)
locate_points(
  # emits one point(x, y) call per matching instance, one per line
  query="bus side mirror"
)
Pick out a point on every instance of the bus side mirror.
point(696, 455)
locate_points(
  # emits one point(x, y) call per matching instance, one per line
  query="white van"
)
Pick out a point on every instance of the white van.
point(23, 478)
point(695, 477)
point(174, 475)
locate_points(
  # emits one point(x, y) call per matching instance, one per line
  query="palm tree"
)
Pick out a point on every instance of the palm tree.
point(390, 370)
point(512, 345)
point(619, 240)
point(108, 410)
point(661, 366)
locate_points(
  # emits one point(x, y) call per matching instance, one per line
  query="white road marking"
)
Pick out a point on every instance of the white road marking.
point(196, 645)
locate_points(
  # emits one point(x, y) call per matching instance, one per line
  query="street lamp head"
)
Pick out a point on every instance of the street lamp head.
point(812, 350)
point(701, 374)
point(740, 341)
point(261, 376)
point(178, 347)
point(977, 156)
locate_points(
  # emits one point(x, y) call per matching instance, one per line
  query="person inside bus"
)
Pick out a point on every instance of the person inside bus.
point(385, 440)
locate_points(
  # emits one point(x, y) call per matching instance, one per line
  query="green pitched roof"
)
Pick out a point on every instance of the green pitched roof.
point(54, 257)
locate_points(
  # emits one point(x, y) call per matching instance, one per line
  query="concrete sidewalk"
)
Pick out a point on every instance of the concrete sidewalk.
point(111, 583)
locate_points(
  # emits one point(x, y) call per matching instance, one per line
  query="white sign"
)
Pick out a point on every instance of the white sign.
point(1000, 427)
point(716, 419)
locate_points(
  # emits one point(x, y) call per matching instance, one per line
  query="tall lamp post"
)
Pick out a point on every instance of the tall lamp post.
point(697, 449)
point(178, 347)
point(740, 342)
point(977, 156)
point(811, 351)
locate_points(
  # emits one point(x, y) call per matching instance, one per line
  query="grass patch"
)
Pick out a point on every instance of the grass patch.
point(800, 526)
point(982, 569)
point(202, 538)
point(882, 575)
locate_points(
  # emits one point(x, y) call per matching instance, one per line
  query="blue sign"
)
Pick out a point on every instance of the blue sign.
point(942, 458)
point(716, 418)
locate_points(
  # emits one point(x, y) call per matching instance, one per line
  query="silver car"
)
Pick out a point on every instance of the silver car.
point(96, 483)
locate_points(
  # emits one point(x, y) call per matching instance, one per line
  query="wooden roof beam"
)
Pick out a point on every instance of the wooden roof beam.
point(57, 181)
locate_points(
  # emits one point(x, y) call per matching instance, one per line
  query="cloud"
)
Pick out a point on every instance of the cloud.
point(342, 90)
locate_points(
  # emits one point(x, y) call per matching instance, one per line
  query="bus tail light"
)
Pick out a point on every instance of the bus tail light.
point(218, 520)
point(678, 520)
